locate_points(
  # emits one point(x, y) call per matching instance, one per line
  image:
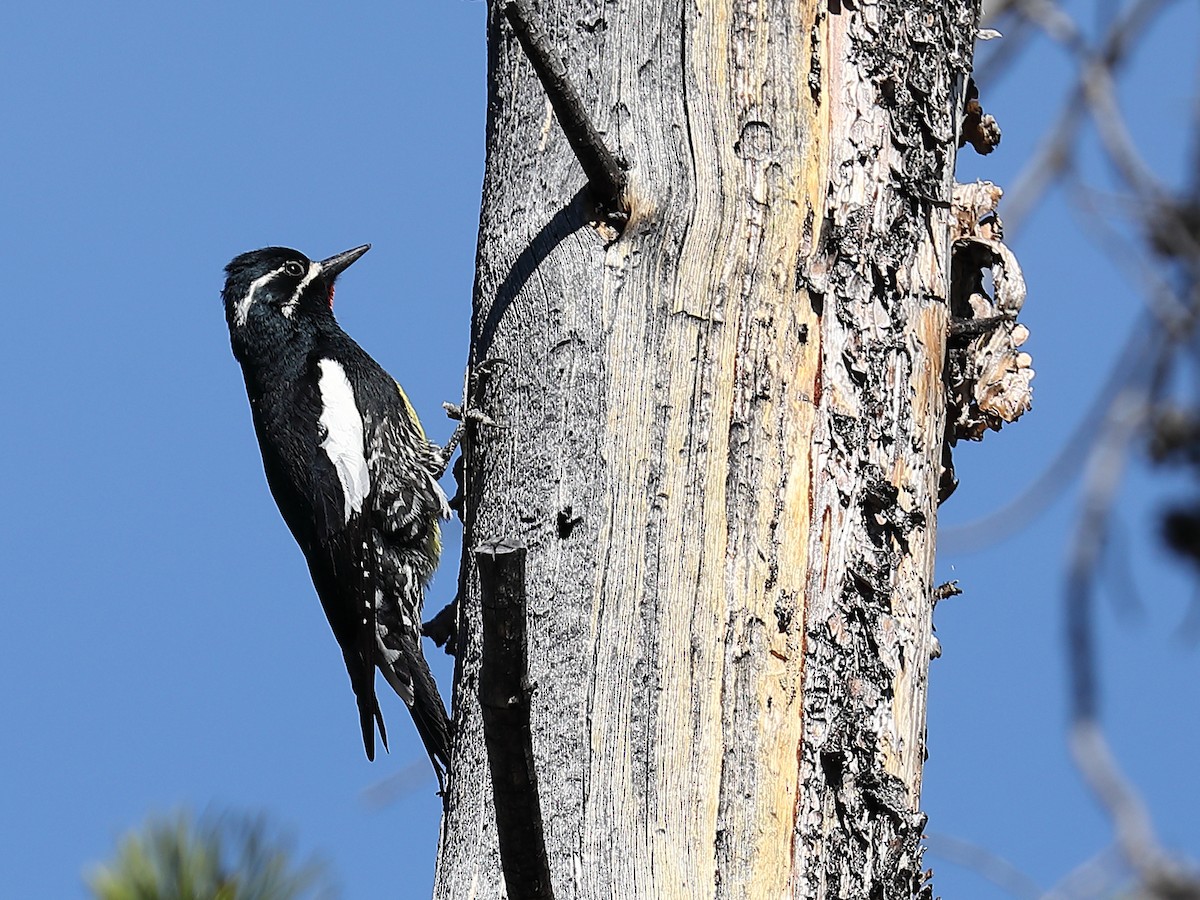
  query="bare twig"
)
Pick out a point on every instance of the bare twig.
point(968, 328)
point(1056, 153)
point(1096, 877)
point(1135, 833)
point(1100, 94)
point(1050, 19)
point(1054, 156)
point(1105, 469)
point(1175, 314)
point(988, 865)
point(504, 693)
point(604, 173)
point(404, 781)
point(1157, 871)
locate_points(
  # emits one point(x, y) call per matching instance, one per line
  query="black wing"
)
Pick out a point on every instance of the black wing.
point(341, 555)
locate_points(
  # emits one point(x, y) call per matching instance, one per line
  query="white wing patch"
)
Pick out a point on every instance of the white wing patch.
point(242, 312)
point(342, 425)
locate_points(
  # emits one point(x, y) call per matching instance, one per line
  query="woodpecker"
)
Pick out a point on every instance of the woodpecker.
point(352, 472)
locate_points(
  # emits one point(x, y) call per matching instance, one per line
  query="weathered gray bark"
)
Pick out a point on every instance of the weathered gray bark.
point(719, 437)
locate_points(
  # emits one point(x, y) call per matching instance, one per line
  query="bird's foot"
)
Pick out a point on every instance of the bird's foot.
point(464, 418)
point(442, 629)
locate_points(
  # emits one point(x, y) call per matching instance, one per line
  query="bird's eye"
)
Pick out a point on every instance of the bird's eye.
point(294, 269)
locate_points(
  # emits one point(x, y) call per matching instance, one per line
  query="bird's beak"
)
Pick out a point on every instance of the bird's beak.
point(334, 266)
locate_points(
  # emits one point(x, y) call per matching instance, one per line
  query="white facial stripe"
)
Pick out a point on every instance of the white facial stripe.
point(243, 308)
point(314, 269)
point(343, 443)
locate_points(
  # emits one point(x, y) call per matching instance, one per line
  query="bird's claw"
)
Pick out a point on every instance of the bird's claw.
point(478, 416)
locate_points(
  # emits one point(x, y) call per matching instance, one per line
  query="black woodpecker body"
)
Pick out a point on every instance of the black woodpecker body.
point(352, 472)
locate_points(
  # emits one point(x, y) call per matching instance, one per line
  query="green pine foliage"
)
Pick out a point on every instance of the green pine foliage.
point(213, 858)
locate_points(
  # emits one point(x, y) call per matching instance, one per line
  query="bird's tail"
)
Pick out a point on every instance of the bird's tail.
point(362, 679)
point(429, 715)
point(406, 671)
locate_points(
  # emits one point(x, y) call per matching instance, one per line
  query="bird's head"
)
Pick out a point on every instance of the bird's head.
point(276, 292)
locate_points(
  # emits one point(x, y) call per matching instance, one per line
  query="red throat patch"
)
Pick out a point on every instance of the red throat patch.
point(330, 297)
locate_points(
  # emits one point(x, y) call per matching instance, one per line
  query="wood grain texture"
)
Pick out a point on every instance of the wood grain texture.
point(719, 438)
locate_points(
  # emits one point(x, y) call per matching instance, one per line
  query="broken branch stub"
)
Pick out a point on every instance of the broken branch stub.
point(988, 375)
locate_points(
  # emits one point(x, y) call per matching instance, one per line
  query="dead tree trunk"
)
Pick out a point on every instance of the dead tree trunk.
point(718, 436)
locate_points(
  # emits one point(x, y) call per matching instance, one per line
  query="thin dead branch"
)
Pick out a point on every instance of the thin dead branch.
point(603, 171)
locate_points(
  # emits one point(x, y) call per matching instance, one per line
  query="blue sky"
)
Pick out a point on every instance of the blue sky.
point(162, 646)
